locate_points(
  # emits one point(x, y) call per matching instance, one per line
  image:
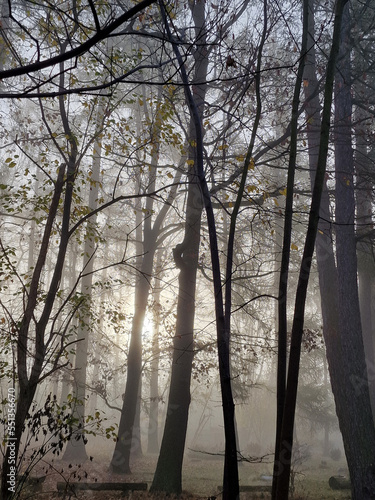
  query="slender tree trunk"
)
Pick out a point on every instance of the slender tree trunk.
point(145, 250)
point(141, 245)
point(286, 441)
point(285, 256)
point(136, 436)
point(66, 375)
point(121, 457)
point(324, 243)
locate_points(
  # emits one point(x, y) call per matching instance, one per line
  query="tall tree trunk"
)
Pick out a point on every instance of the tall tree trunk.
point(141, 245)
point(366, 267)
point(120, 462)
point(359, 441)
point(285, 256)
point(66, 374)
point(168, 474)
point(145, 250)
point(325, 257)
point(339, 358)
point(286, 441)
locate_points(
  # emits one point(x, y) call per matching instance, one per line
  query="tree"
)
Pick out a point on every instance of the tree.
point(28, 381)
point(285, 258)
point(101, 33)
point(358, 425)
point(169, 467)
point(286, 437)
point(152, 237)
point(195, 103)
point(361, 66)
point(153, 423)
point(342, 364)
point(76, 446)
point(223, 76)
point(40, 348)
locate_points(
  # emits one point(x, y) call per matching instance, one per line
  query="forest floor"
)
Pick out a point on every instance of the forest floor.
point(202, 476)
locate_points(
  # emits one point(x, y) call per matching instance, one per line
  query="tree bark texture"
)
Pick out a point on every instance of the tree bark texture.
point(357, 424)
point(339, 359)
point(364, 225)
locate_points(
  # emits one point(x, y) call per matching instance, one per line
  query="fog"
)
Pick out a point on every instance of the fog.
point(186, 249)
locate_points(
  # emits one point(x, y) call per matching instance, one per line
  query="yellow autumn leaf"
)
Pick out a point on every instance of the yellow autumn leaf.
point(293, 246)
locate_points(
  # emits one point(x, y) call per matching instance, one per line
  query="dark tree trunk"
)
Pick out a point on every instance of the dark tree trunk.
point(168, 474)
point(286, 441)
point(357, 422)
point(120, 462)
point(366, 266)
point(285, 257)
point(338, 356)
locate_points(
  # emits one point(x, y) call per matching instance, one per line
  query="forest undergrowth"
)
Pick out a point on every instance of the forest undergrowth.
point(201, 479)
